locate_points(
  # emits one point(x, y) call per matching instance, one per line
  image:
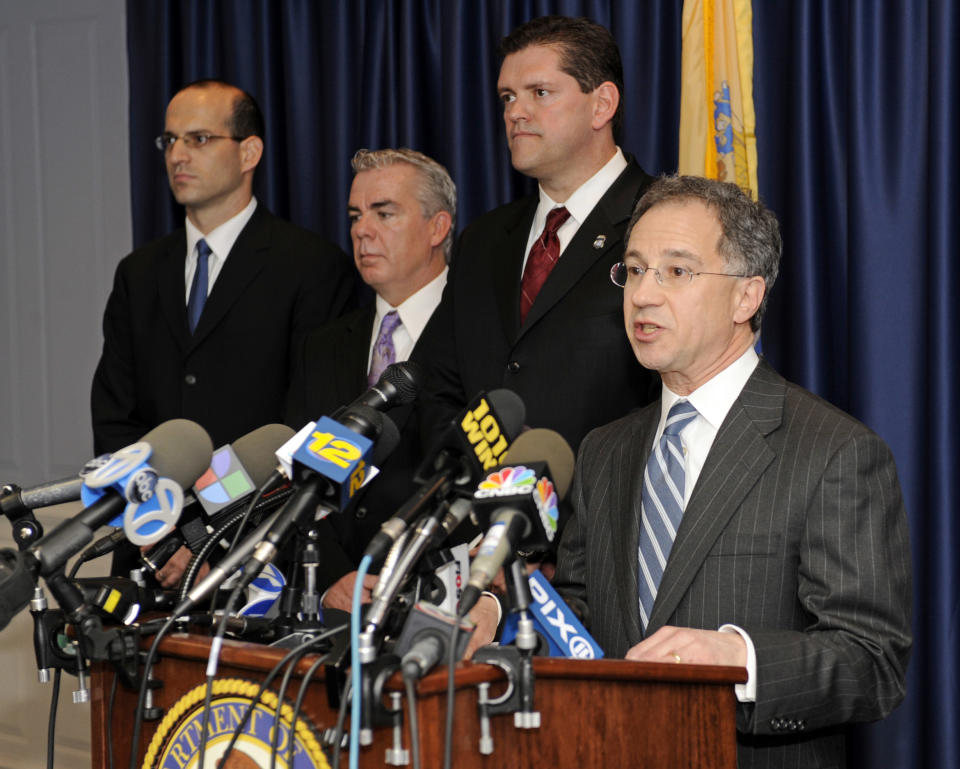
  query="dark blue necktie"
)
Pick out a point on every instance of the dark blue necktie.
point(663, 488)
point(198, 289)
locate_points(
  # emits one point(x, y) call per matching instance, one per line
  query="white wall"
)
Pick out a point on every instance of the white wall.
point(64, 224)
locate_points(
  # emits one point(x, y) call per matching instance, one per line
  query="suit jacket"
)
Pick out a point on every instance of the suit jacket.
point(795, 532)
point(231, 375)
point(569, 361)
point(331, 372)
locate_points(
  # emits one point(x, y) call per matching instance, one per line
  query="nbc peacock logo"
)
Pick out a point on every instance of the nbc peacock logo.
point(517, 479)
point(545, 497)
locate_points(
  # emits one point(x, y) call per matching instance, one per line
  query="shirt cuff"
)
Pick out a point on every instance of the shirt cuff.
point(497, 602)
point(745, 692)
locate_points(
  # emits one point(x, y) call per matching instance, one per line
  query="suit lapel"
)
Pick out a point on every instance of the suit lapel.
point(172, 289)
point(506, 262)
point(350, 370)
point(596, 238)
point(247, 258)
point(736, 461)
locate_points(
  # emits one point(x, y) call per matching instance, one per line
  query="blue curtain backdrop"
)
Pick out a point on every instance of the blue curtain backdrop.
point(855, 104)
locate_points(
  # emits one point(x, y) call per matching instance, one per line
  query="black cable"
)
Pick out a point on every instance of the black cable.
point(409, 683)
point(281, 694)
point(211, 668)
point(301, 694)
point(142, 692)
point(266, 683)
point(52, 721)
point(110, 705)
point(341, 719)
point(451, 693)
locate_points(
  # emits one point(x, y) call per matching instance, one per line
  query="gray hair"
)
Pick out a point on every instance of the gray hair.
point(436, 192)
point(749, 242)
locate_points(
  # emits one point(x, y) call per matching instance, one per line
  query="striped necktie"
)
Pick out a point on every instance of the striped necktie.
point(663, 488)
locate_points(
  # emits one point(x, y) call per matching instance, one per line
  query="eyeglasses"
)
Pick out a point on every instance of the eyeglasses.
point(671, 277)
point(193, 139)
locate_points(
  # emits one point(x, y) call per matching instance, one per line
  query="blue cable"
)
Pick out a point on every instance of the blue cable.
point(356, 675)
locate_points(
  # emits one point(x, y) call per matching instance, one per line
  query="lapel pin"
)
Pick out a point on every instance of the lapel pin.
point(598, 243)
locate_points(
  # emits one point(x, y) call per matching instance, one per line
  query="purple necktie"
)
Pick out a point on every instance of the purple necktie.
point(384, 353)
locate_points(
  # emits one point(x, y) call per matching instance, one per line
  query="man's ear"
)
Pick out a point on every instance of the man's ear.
point(251, 150)
point(606, 101)
point(751, 296)
point(440, 224)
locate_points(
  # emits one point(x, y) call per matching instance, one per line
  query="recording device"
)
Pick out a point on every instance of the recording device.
point(520, 501)
point(475, 441)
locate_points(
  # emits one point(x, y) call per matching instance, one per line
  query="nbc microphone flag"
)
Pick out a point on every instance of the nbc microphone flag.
point(717, 122)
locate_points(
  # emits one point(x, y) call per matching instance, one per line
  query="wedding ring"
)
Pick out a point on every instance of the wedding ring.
point(676, 658)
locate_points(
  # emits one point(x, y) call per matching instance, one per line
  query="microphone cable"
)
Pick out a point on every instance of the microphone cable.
point(301, 694)
point(451, 697)
point(269, 680)
point(410, 685)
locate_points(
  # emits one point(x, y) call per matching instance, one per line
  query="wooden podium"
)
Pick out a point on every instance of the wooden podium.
point(593, 713)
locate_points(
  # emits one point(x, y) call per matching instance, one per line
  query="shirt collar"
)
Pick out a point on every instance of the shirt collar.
point(714, 398)
point(416, 309)
point(585, 197)
point(221, 238)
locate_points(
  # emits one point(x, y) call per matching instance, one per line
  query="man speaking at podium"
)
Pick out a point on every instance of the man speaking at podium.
point(739, 520)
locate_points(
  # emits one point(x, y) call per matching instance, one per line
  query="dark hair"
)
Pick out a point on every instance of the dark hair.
point(588, 52)
point(749, 242)
point(246, 119)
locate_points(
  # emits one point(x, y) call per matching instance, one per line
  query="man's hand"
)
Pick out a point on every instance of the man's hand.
point(170, 574)
point(340, 594)
point(485, 616)
point(695, 647)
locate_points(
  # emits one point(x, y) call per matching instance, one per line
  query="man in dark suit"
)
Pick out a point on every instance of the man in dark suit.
point(201, 323)
point(509, 317)
point(739, 520)
point(402, 208)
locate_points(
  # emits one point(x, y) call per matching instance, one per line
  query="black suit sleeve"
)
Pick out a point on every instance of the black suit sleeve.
point(116, 419)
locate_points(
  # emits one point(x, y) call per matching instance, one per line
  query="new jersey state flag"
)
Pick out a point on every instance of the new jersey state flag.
point(717, 123)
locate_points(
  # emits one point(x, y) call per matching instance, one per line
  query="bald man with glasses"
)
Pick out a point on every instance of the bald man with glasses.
point(202, 323)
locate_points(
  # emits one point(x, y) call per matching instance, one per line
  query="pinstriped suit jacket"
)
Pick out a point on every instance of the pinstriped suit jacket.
point(795, 532)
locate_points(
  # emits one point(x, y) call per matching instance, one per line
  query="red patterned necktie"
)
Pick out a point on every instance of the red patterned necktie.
point(543, 257)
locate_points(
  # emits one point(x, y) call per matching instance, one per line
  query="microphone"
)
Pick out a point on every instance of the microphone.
point(398, 385)
point(560, 629)
point(321, 450)
point(179, 450)
point(474, 441)
point(520, 500)
point(235, 474)
point(42, 495)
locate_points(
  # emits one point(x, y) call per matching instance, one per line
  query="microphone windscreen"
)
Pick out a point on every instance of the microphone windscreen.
point(543, 445)
point(509, 407)
point(407, 377)
point(181, 451)
point(256, 450)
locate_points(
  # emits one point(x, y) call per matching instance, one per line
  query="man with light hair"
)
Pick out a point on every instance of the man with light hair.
point(402, 209)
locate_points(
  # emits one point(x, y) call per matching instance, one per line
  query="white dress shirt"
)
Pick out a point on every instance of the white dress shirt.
point(579, 204)
point(414, 312)
point(220, 239)
point(713, 400)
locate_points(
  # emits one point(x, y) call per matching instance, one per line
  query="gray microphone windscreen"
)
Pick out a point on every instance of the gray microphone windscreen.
point(257, 450)
point(543, 445)
point(181, 451)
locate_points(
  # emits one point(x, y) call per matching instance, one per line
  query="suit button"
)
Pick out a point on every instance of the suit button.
point(190, 379)
point(360, 513)
point(776, 724)
point(801, 724)
point(513, 367)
